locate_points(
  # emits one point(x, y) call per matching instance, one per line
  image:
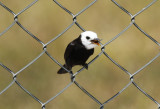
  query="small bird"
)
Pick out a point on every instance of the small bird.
point(79, 50)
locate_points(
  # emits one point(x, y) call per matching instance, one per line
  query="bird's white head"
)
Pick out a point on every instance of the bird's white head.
point(89, 39)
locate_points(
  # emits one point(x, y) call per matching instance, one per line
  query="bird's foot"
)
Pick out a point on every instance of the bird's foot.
point(85, 66)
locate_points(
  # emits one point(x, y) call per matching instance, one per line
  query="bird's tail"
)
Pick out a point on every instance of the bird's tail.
point(63, 71)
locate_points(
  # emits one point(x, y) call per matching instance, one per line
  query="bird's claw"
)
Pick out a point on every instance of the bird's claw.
point(85, 66)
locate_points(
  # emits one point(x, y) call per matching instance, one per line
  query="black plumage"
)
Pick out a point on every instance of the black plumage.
point(76, 54)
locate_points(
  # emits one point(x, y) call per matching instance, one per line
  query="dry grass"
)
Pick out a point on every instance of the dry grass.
point(46, 20)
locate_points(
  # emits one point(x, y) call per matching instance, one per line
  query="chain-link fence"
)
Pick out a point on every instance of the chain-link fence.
point(102, 52)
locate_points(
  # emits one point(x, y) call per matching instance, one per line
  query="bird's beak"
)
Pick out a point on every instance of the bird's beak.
point(96, 41)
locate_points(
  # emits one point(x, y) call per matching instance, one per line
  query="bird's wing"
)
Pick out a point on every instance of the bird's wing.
point(68, 50)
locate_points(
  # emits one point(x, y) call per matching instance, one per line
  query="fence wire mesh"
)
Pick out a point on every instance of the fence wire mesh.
point(73, 76)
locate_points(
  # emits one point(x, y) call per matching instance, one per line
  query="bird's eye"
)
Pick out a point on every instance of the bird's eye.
point(87, 37)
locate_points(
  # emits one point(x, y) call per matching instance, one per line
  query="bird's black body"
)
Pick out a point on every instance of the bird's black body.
point(75, 54)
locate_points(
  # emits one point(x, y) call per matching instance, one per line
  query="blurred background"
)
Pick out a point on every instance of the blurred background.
point(103, 79)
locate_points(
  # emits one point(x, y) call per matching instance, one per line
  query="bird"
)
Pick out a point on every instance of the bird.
point(79, 50)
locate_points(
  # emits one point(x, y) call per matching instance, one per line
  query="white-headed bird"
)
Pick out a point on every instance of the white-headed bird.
point(79, 50)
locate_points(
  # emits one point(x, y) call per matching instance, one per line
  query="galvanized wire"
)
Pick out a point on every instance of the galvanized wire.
point(73, 75)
